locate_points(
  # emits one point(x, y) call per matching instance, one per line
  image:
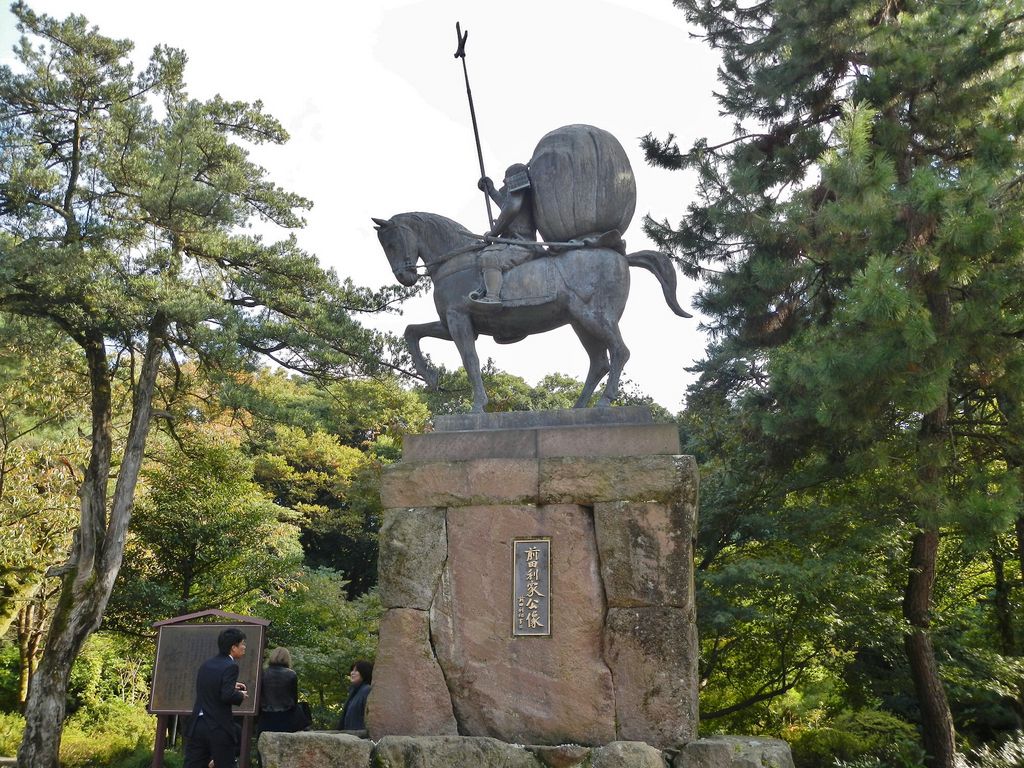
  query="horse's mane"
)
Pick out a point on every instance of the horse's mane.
point(439, 233)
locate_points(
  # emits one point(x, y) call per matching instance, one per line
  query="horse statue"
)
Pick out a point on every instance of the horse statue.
point(585, 287)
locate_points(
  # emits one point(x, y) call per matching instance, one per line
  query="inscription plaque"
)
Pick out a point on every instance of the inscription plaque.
point(531, 587)
point(182, 648)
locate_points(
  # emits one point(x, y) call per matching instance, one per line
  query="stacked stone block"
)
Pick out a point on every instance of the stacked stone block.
point(339, 750)
point(619, 505)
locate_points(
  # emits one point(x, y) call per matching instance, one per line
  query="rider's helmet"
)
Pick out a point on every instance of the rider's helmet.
point(517, 177)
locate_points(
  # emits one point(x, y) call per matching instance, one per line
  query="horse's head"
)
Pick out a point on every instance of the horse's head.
point(400, 246)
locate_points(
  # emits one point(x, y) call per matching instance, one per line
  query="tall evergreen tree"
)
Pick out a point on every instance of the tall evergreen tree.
point(862, 248)
point(122, 207)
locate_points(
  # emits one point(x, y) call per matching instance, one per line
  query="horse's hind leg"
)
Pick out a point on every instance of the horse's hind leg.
point(598, 352)
point(618, 354)
point(413, 334)
point(460, 326)
point(605, 330)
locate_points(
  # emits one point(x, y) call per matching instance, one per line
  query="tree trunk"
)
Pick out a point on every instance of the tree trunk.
point(11, 603)
point(1020, 545)
point(1009, 399)
point(936, 719)
point(31, 619)
point(937, 730)
point(96, 554)
point(75, 618)
point(1002, 603)
point(25, 668)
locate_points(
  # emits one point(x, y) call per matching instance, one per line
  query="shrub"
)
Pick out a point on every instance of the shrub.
point(1009, 754)
point(860, 737)
point(10, 665)
point(104, 734)
point(98, 736)
point(12, 725)
point(142, 757)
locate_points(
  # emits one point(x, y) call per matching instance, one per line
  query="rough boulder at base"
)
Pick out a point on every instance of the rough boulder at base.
point(582, 184)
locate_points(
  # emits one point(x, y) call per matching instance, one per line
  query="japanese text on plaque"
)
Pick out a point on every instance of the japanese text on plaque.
point(531, 587)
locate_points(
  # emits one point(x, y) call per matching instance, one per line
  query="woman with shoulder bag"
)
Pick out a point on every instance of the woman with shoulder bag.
point(279, 696)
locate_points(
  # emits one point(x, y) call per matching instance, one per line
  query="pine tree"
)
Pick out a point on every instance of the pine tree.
point(123, 213)
point(860, 241)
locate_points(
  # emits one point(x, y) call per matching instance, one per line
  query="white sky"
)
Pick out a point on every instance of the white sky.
point(376, 107)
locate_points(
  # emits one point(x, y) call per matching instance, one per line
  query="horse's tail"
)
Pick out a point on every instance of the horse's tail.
point(659, 264)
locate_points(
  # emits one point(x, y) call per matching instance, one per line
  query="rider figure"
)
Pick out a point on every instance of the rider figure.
point(514, 222)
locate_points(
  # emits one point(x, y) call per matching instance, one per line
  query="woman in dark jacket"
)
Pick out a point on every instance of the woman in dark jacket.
point(279, 694)
point(353, 716)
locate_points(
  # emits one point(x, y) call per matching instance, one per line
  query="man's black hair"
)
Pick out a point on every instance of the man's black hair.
point(228, 638)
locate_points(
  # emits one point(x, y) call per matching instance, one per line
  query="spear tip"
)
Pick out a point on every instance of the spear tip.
point(460, 53)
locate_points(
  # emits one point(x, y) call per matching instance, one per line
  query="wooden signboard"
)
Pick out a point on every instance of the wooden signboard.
point(182, 648)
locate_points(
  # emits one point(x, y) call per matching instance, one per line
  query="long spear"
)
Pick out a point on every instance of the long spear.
point(460, 53)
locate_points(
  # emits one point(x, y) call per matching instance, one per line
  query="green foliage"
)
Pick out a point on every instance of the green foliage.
point(861, 244)
point(319, 451)
point(9, 665)
point(107, 735)
point(374, 414)
point(112, 670)
point(204, 536)
point(790, 583)
point(101, 735)
point(854, 736)
point(508, 392)
point(11, 726)
point(505, 391)
point(335, 490)
point(369, 414)
point(125, 208)
point(1008, 754)
point(142, 757)
point(140, 218)
point(983, 687)
point(40, 411)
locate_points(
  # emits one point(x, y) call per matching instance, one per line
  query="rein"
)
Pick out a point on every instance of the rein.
point(485, 240)
point(434, 268)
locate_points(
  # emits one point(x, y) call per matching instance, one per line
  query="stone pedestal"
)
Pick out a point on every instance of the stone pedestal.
point(618, 504)
point(310, 749)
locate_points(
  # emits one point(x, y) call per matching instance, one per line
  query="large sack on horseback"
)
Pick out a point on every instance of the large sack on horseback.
point(582, 183)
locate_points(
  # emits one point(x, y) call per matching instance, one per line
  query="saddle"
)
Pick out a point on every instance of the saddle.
point(527, 285)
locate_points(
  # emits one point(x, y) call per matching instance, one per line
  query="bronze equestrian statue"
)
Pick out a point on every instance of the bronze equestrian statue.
point(582, 195)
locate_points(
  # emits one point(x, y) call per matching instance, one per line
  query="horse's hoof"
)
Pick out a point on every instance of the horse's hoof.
point(604, 402)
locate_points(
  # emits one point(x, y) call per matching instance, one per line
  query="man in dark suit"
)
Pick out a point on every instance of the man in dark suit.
point(212, 732)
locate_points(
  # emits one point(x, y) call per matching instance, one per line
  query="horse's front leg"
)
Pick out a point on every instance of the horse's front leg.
point(413, 334)
point(460, 326)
